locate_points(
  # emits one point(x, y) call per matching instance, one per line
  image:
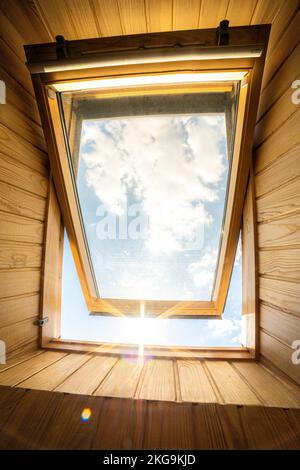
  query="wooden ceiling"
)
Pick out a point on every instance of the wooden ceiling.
point(79, 19)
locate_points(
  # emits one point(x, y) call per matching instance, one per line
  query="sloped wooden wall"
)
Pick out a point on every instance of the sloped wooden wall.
point(23, 189)
point(277, 178)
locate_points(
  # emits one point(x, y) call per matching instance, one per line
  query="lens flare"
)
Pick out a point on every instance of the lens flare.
point(86, 414)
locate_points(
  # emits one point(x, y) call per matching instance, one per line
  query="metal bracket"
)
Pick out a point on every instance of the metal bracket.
point(61, 48)
point(42, 321)
point(223, 33)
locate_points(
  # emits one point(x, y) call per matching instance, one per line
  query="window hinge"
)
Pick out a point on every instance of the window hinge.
point(223, 33)
point(42, 321)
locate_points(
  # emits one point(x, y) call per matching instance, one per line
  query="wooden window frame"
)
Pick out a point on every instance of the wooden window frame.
point(242, 155)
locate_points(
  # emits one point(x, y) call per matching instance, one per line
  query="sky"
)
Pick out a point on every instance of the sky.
point(152, 192)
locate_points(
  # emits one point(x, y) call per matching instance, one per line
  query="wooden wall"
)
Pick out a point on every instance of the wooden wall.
point(277, 181)
point(23, 191)
point(233, 382)
point(23, 173)
point(31, 419)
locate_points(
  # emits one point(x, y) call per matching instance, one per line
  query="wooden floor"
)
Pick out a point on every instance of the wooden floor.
point(190, 381)
point(31, 419)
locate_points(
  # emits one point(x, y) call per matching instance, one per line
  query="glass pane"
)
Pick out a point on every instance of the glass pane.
point(151, 175)
point(77, 324)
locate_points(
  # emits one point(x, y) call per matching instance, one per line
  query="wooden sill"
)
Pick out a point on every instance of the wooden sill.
point(174, 352)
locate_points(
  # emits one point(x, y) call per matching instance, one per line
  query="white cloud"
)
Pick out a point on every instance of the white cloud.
point(203, 271)
point(224, 328)
point(172, 164)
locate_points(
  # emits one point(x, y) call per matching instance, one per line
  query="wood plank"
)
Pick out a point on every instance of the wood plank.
point(58, 18)
point(186, 14)
point(15, 67)
point(82, 17)
point(9, 398)
point(231, 386)
point(284, 264)
point(280, 22)
point(212, 12)
point(208, 427)
point(249, 270)
point(54, 374)
point(259, 432)
point(288, 40)
point(169, 426)
point(294, 419)
point(16, 147)
point(266, 11)
point(122, 380)
point(87, 378)
point(19, 202)
point(240, 16)
point(280, 142)
point(20, 372)
point(18, 282)
point(284, 326)
point(52, 269)
point(158, 381)
point(194, 383)
point(280, 202)
point(20, 229)
point(19, 97)
point(18, 357)
point(277, 114)
point(280, 82)
point(108, 17)
point(16, 174)
point(232, 427)
point(25, 15)
point(20, 255)
point(283, 232)
point(121, 424)
point(16, 309)
point(66, 430)
point(10, 34)
point(29, 421)
point(271, 391)
point(159, 15)
point(283, 294)
point(23, 126)
point(279, 354)
point(133, 16)
point(282, 429)
point(283, 170)
point(20, 334)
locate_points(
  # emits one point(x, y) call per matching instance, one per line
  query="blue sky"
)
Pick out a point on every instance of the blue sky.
point(76, 323)
point(152, 193)
point(153, 210)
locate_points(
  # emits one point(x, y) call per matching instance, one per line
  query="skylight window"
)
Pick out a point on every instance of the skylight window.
point(151, 176)
point(150, 146)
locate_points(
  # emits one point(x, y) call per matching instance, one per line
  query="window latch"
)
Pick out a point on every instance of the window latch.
point(62, 51)
point(42, 321)
point(223, 33)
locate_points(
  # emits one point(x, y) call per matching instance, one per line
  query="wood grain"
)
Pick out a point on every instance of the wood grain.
point(158, 381)
point(87, 378)
point(22, 371)
point(230, 385)
point(122, 380)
